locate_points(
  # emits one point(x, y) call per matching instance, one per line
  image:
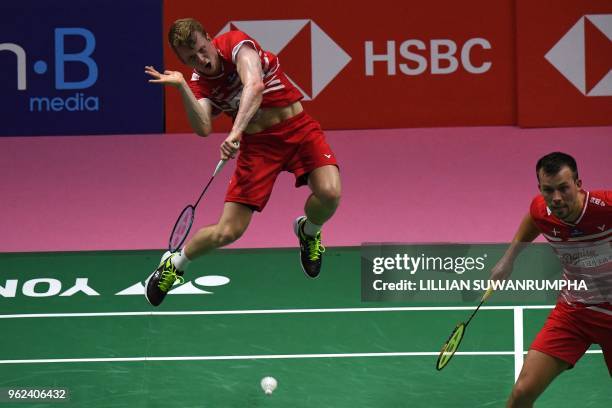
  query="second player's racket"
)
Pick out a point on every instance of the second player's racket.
point(454, 340)
point(185, 220)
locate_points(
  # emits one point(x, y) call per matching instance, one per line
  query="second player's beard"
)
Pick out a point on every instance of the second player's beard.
point(561, 212)
point(567, 213)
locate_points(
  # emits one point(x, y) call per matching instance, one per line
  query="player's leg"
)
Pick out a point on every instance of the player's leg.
point(607, 352)
point(605, 341)
point(324, 182)
point(538, 371)
point(558, 346)
point(314, 163)
point(232, 224)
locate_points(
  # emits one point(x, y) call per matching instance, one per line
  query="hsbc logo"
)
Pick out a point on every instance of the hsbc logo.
point(309, 57)
point(49, 287)
point(443, 57)
point(584, 55)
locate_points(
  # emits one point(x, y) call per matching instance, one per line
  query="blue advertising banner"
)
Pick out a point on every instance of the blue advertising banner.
point(72, 67)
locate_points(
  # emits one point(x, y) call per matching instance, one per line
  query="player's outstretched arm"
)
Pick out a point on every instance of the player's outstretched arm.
point(527, 232)
point(199, 112)
point(251, 75)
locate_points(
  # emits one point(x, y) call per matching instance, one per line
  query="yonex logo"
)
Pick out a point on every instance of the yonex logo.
point(309, 57)
point(49, 287)
point(46, 287)
point(584, 55)
point(186, 288)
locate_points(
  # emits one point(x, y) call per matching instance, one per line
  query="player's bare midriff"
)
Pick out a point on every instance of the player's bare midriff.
point(267, 117)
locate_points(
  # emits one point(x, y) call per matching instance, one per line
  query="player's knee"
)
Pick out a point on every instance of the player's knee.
point(329, 194)
point(522, 395)
point(227, 234)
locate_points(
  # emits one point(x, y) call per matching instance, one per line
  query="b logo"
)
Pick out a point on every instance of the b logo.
point(76, 102)
point(61, 57)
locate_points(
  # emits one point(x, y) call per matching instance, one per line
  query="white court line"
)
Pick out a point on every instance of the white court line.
point(518, 342)
point(586, 352)
point(269, 311)
point(258, 357)
point(253, 357)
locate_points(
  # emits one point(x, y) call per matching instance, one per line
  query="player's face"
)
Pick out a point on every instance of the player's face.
point(561, 193)
point(203, 57)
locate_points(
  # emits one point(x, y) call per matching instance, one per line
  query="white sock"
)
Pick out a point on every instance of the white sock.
point(180, 261)
point(311, 229)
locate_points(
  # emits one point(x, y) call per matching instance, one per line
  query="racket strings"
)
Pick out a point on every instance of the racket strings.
point(451, 346)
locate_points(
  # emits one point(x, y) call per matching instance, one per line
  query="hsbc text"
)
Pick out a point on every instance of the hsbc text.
point(445, 57)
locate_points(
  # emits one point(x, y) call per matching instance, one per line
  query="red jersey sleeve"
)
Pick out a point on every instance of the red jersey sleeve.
point(230, 43)
point(537, 210)
point(224, 90)
point(195, 87)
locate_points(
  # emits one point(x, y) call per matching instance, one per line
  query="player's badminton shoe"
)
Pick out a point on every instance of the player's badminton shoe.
point(311, 249)
point(160, 281)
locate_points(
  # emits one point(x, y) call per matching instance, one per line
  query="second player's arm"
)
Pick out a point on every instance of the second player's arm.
point(527, 232)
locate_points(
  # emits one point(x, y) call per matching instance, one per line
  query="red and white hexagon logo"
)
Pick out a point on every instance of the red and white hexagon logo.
point(309, 57)
point(584, 55)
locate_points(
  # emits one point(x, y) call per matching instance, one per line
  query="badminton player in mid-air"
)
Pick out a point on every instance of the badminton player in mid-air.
point(578, 225)
point(232, 74)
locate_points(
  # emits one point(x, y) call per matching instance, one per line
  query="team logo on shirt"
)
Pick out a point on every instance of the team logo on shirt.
point(575, 232)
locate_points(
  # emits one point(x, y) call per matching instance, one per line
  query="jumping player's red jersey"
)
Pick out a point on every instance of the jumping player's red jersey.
point(224, 90)
point(583, 247)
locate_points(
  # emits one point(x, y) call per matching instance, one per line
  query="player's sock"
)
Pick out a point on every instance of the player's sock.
point(311, 229)
point(180, 261)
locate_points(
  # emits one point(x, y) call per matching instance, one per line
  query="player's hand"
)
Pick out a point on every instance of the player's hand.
point(502, 270)
point(230, 146)
point(173, 78)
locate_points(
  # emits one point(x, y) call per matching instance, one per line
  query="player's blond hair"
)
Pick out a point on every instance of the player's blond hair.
point(181, 32)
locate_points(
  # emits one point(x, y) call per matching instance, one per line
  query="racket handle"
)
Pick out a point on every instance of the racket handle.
point(219, 167)
point(222, 162)
point(488, 293)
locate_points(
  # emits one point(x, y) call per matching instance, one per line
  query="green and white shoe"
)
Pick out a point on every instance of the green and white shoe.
point(311, 249)
point(161, 280)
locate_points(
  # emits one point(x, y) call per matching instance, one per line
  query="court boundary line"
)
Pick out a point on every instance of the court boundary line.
point(269, 311)
point(518, 351)
point(518, 342)
point(260, 357)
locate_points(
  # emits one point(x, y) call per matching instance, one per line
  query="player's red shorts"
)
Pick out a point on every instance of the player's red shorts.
point(296, 145)
point(570, 330)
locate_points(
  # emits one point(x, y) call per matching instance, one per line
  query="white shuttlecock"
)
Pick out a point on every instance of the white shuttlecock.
point(268, 385)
